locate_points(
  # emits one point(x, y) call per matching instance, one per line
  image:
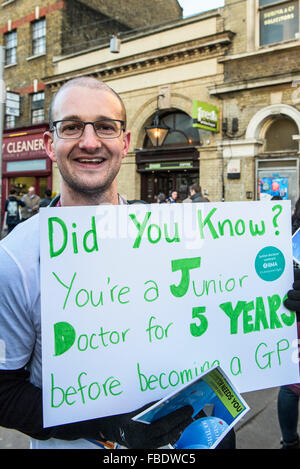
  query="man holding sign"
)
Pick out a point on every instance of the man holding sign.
point(88, 140)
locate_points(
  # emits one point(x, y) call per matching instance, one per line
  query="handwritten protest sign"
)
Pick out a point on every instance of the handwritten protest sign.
point(138, 300)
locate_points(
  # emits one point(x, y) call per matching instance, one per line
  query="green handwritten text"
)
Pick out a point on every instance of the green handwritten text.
point(257, 314)
point(58, 230)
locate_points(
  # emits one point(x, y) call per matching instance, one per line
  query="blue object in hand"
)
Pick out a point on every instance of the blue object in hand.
point(201, 434)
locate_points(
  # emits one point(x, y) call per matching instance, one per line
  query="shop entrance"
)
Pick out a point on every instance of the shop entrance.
point(159, 181)
point(167, 169)
point(22, 184)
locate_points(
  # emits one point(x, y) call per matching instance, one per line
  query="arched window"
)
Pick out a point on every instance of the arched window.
point(181, 131)
point(279, 135)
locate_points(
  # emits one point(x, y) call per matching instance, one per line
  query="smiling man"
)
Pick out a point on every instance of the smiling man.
point(88, 140)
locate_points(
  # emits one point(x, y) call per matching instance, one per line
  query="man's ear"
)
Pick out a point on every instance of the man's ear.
point(48, 143)
point(126, 143)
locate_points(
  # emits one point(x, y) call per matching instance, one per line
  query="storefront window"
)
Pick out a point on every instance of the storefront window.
point(279, 21)
point(22, 184)
point(277, 178)
point(27, 165)
point(164, 182)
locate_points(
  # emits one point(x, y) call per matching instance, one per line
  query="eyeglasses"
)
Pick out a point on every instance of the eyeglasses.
point(107, 128)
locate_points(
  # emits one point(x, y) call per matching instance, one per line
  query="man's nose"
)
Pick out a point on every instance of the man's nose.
point(89, 139)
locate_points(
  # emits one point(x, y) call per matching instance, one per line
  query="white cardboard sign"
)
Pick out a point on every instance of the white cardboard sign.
point(138, 300)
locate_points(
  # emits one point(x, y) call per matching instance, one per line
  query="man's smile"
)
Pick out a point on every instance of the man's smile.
point(89, 162)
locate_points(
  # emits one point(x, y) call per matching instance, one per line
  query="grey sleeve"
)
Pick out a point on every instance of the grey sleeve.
point(17, 334)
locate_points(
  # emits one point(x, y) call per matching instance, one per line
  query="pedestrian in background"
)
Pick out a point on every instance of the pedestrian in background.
point(12, 211)
point(288, 396)
point(173, 197)
point(161, 198)
point(296, 217)
point(196, 194)
point(47, 199)
point(31, 204)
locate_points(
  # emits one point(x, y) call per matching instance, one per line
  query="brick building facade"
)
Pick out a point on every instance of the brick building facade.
point(166, 67)
point(35, 34)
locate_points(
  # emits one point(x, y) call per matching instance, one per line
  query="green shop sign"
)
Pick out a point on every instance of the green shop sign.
point(205, 116)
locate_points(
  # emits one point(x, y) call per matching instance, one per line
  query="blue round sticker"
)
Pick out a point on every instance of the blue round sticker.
point(269, 263)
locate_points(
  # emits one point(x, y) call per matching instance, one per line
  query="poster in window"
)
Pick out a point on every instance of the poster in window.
point(269, 187)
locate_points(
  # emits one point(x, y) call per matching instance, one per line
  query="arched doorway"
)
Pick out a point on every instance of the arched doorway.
point(277, 163)
point(175, 164)
point(279, 135)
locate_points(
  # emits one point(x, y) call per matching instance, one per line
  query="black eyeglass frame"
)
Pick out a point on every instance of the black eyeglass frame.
point(54, 124)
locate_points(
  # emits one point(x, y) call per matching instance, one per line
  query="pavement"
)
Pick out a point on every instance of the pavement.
point(258, 429)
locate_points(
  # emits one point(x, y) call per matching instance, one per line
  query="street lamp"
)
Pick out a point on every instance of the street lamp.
point(156, 132)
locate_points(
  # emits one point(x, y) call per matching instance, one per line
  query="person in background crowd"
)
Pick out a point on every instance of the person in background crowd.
point(12, 211)
point(288, 412)
point(161, 198)
point(288, 396)
point(196, 194)
point(173, 197)
point(47, 199)
point(31, 204)
point(296, 217)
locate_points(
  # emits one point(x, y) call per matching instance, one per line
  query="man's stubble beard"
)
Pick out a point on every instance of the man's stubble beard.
point(83, 190)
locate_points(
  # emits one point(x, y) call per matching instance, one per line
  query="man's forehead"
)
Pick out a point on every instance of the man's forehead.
point(70, 98)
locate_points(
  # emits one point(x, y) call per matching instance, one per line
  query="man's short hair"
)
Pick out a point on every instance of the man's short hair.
point(85, 82)
point(195, 187)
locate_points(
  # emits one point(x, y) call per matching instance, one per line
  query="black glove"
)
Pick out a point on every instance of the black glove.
point(292, 301)
point(21, 408)
point(136, 435)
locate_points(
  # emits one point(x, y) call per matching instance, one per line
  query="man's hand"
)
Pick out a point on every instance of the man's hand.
point(293, 296)
point(136, 435)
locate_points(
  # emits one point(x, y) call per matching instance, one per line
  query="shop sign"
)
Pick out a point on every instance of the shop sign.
point(23, 147)
point(205, 116)
point(169, 165)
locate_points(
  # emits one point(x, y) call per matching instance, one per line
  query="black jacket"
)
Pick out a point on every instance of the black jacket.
point(198, 197)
